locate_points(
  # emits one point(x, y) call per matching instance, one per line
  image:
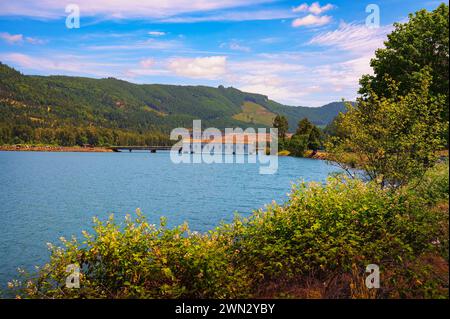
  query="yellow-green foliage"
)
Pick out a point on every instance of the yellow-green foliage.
point(393, 139)
point(322, 230)
point(284, 153)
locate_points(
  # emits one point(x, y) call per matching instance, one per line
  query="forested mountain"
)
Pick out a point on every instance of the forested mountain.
point(76, 110)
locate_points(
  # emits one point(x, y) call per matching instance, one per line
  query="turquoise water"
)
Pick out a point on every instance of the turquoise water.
point(47, 195)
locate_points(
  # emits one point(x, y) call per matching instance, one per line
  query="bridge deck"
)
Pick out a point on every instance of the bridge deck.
point(140, 148)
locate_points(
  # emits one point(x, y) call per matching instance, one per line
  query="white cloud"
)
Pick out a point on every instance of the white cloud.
point(156, 33)
point(281, 77)
point(285, 77)
point(299, 79)
point(343, 75)
point(311, 20)
point(119, 8)
point(356, 38)
point(314, 8)
point(204, 68)
point(301, 8)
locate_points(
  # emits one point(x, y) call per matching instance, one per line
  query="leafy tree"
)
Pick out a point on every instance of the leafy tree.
point(333, 128)
point(309, 132)
point(421, 42)
point(281, 123)
point(81, 138)
point(314, 139)
point(297, 145)
point(394, 139)
point(66, 137)
point(304, 127)
point(23, 133)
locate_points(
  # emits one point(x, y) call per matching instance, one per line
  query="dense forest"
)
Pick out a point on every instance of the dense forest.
point(74, 110)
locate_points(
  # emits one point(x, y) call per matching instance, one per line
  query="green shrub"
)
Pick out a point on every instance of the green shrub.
point(322, 231)
point(297, 145)
point(433, 186)
point(140, 260)
point(325, 228)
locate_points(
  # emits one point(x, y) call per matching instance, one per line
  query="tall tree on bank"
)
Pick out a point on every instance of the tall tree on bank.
point(304, 127)
point(393, 139)
point(401, 117)
point(314, 139)
point(422, 42)
point(281, 123)
point(312, 132)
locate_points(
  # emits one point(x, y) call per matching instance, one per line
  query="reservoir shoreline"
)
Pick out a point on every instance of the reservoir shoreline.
point(53, 148)
point(320, 155)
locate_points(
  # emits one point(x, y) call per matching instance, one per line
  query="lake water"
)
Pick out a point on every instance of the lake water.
point(47, 195)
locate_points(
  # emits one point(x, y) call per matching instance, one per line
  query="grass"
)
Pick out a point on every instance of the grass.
point(255, 114)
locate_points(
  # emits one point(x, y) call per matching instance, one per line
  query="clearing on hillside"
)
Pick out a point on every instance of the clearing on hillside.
point(255, 114)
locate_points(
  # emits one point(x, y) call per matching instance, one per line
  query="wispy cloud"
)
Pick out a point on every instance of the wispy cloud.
point(235, 46)
point(357, 38)
point(67, 64)
point(147, 63)
point(235, 15)
point(271, 40)
point(140, 45)
point(156, 33)
point(119, 9)
point(19, 38)
point(35, 40)
point(311, 20)
point(11, 38)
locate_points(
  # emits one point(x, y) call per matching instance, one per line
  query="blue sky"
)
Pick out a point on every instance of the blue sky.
point(296, 52)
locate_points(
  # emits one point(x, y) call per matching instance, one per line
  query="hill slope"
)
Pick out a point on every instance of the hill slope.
point(116, 105)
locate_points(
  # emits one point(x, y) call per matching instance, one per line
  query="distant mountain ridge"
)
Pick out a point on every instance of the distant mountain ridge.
point(53, 101)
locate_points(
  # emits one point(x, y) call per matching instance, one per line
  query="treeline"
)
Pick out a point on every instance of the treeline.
point(71, 136)
point(306, 137)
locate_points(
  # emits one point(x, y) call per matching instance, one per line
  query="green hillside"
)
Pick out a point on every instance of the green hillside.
point(255, 114)
point(110, 111)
